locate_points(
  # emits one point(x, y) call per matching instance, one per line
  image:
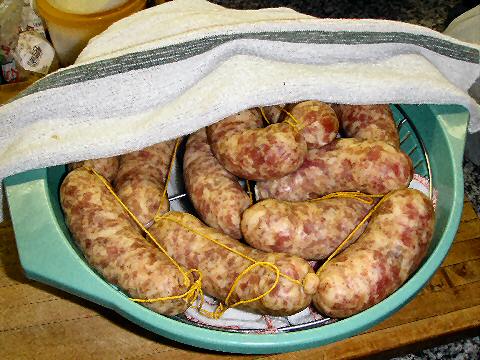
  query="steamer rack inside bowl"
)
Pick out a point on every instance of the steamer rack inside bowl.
point(433, 136)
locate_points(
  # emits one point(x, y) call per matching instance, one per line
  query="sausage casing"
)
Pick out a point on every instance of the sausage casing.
point(368, 122)
point(386, 254)
point(215, 193)
point(220, 267)
point(319, 122)
point(114, 247)
point(107, 167)
point(141, 180)
point(251, 152)
point(372, 167)
point(310, 230)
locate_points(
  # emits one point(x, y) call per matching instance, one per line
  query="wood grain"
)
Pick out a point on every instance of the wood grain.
point(8, 91)
point(40, 322)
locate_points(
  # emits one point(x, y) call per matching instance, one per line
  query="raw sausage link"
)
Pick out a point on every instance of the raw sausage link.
point(215, 193)
point(310, 230)
point(254, 153)
point(372, 167)
point(320, 124)
point(391, 248)
point(107, 167)
point(368, 122)
point(220, 267)
point(141, 179)
point(114, 247)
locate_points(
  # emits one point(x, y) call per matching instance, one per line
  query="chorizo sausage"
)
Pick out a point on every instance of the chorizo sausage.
point(391, 248)
point(251, 152)
point(216, 194)
point(114, 247)
point(310, 230)
point(372, 167)
point(318, 121)
point(107, 167)
point(368, 122)
point(141, 180)
point(190, 243)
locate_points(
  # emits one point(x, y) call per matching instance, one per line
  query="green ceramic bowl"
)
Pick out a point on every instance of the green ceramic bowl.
point(48, 254)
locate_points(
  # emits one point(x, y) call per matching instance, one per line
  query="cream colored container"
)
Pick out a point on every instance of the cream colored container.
point(70, 32)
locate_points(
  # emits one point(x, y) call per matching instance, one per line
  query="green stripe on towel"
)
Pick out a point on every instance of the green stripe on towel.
point(177, 52)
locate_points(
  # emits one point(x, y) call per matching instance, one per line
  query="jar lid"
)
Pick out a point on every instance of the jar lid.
point(50, 13)
point(86, 7)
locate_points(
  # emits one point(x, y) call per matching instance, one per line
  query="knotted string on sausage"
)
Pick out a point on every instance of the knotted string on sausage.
point(293, 122)
point(195, 291)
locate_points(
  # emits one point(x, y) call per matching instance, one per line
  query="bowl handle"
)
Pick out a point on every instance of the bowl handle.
point(44, 249)
point(455, 120)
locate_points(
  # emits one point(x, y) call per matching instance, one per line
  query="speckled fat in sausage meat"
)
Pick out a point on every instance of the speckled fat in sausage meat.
point(220, 267)
point(107, 167)
point(368, 122)
point(392, 247)
point(251, 152)
point(141, 180)
point(319, 122)
point(372, 167)
point(215, 193)
point(310, 230)
point(114, 247)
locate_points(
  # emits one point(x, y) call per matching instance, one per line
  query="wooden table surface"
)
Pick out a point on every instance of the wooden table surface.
point(41, 322)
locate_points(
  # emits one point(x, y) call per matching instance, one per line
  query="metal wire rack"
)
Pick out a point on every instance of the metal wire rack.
point(410, 142)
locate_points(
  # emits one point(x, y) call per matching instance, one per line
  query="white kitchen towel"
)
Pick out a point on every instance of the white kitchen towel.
point(174, 68)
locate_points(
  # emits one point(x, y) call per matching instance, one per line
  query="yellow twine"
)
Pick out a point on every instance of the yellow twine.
point(356, 195)
point(249, 191)
point(222, 307)
point(348, 238)
point(166, 217)
point(295, 123)
point(190, 295)
point(264, 116)
point(109, 187)
point(195, 290)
